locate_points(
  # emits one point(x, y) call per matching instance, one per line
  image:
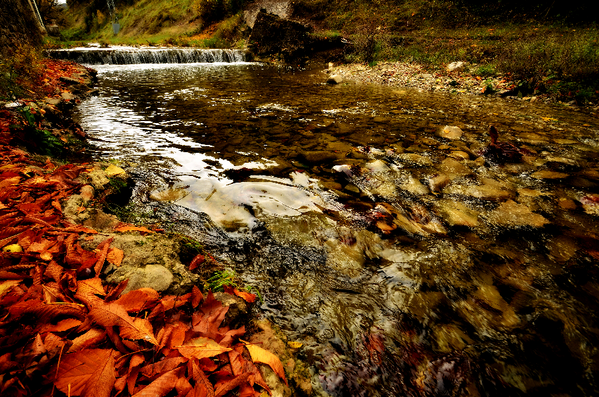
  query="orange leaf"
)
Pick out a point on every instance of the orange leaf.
point(130, 228)
point(113, 314)
point(90, 338)
point(115, 256)
point(139, 299)
point(246, 296)
point(161, 386)
point(87, 373)
point(260, 355)
point(201, 348)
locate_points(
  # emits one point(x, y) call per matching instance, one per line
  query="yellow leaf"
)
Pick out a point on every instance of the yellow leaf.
point(260, 355)
point(13, 248)
point(295, 345)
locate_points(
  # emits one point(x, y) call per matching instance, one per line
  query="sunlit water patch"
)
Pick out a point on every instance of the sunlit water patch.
point(405, 260)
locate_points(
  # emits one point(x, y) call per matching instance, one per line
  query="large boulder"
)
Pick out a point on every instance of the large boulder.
point(273, 35)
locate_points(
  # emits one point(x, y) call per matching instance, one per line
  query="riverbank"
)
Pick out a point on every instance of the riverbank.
point(61, 319)
point(455, 78)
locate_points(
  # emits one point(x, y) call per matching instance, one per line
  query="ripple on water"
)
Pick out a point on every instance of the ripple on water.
point(405, 261)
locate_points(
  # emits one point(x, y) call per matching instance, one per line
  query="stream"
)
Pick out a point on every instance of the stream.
point(405, 261)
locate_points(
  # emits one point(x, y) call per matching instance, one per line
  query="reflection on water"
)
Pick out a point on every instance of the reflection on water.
point(405, 261)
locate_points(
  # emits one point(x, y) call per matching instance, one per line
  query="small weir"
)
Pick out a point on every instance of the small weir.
point(405, 261)
point(147, 55)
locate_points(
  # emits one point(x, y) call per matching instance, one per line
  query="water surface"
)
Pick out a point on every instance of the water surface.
point(404, 261)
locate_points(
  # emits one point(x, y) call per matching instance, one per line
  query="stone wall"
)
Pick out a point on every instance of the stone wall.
point(18, 25)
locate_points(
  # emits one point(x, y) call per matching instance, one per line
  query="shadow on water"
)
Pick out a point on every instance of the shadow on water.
point(405, 261)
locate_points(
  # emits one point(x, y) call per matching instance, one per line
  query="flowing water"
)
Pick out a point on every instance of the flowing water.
point(403, 260)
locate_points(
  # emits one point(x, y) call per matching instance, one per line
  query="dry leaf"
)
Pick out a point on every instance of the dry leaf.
point(260, 355)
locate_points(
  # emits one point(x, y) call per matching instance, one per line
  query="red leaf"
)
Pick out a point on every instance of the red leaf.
point(161, 386)
point(113, 314)
point(201, 348)
point(139, 299)
point(196, 261)
point(87, 373)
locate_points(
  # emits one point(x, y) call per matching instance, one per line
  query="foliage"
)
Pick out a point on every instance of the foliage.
point(227, 280)
point(36, 139)
point(63, 328)
point(19, 71)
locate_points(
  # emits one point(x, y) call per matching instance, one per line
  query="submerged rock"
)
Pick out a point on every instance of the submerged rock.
point(450, 132)
point(456, 213)
point(512, 214)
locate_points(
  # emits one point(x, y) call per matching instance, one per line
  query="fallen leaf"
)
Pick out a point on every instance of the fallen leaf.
point(88, 373)
point(113, 314)
point(260, 355)
point(129, 228)
point(201, 348)
point(115, 256)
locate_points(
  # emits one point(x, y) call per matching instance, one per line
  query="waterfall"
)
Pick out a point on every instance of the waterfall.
point(132, 55)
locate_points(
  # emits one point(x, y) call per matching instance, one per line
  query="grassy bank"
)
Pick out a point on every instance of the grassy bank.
point(550, 47)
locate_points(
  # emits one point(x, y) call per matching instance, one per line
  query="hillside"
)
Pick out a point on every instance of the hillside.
point(544, 45)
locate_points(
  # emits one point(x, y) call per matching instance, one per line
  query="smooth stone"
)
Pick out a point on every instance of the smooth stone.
point(414, 186)
point(156, 277)
point(546, 174)
point(98, 178)
point(438, 182)
point(512, 214)
point(460, 155)
point(457, 213)
point(450, 132)
point(453, 168)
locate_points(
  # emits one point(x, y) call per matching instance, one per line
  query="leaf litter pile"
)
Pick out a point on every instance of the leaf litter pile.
point(64, 332)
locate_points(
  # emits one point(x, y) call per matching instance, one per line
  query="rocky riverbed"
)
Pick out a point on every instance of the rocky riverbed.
point(458, 78)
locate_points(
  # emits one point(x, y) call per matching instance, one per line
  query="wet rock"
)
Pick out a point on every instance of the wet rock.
point(414, 186)
point(562, 248)
point(511, 214)
point(454, 168)
point(320, 156)
point(456, 213)
point(335, 79)
point(437, 182)
point(547, 174)
point(484, 192)
point(450, 132)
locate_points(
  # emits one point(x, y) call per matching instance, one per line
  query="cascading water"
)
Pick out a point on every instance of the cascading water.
point(146, 55)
